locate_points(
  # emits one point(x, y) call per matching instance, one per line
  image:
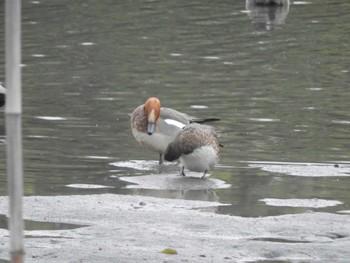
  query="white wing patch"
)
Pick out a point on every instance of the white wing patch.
point(175, 123)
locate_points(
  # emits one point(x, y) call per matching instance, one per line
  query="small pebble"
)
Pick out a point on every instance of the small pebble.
point(169, 251)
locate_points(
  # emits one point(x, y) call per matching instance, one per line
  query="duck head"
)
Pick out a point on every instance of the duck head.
point(152, 110)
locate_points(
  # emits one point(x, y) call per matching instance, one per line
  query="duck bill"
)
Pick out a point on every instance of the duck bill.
point(150, 128)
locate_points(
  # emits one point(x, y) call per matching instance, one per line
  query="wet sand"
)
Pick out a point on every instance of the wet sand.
point(119, 228)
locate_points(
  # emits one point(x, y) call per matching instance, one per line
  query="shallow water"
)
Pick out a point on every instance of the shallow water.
point(38, 225)
point(280, 87)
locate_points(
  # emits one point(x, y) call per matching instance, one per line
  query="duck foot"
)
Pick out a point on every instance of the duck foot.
point(205, 172)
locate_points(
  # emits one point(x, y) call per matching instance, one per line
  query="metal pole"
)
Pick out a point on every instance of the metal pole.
point(13, 112)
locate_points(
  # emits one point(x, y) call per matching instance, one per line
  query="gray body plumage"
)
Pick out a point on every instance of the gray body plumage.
point(197, 147)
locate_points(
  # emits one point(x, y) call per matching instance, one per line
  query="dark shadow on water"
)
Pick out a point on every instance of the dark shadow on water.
point(38, 225)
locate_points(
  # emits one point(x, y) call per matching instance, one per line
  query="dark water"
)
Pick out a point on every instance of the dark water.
point(37, 225)
point(280, 87)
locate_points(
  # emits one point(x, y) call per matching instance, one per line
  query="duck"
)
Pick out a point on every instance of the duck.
point(197, 147)
point(2, 95)
point(154, 127)
point(269, 2)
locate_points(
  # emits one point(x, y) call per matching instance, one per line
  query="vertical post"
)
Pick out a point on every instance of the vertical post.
point(13, 112)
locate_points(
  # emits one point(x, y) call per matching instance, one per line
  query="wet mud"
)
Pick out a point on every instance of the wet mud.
point(120, 228)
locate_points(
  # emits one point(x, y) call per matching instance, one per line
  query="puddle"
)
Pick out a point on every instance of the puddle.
point(173, 182)
point(39, 225)
point(322, 238)
point(304, 169)
point(279, 240)
point(313, 203)
point(335, 235)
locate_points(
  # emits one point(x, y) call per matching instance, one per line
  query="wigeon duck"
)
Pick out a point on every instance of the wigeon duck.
point(197, 147)
point(155, 127)
point(269, 2)
point(2, 95)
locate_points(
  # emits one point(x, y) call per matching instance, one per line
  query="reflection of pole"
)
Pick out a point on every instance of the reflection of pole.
point(13, 111)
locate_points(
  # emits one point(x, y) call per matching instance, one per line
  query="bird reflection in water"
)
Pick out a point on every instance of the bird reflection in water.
point(267, 14)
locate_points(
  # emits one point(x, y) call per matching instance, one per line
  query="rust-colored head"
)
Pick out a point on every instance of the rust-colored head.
point(152, 110)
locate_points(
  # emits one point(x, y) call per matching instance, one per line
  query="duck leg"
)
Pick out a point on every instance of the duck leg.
point(205, 172)
point(160, 158)
point(183, 171)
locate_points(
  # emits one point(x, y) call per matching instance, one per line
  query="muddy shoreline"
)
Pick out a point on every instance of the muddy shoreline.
point(120, 228)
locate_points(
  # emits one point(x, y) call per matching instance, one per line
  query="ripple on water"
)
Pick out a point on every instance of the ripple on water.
point(88, 186)
point(199, 107)
point(51, 118)
point(264, 120)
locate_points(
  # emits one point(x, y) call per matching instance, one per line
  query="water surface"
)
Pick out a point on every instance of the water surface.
point(281, 89)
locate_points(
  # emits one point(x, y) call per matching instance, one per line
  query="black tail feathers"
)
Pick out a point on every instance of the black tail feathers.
point(201, 121)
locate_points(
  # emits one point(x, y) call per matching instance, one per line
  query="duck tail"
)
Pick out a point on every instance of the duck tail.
point(201, 121)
